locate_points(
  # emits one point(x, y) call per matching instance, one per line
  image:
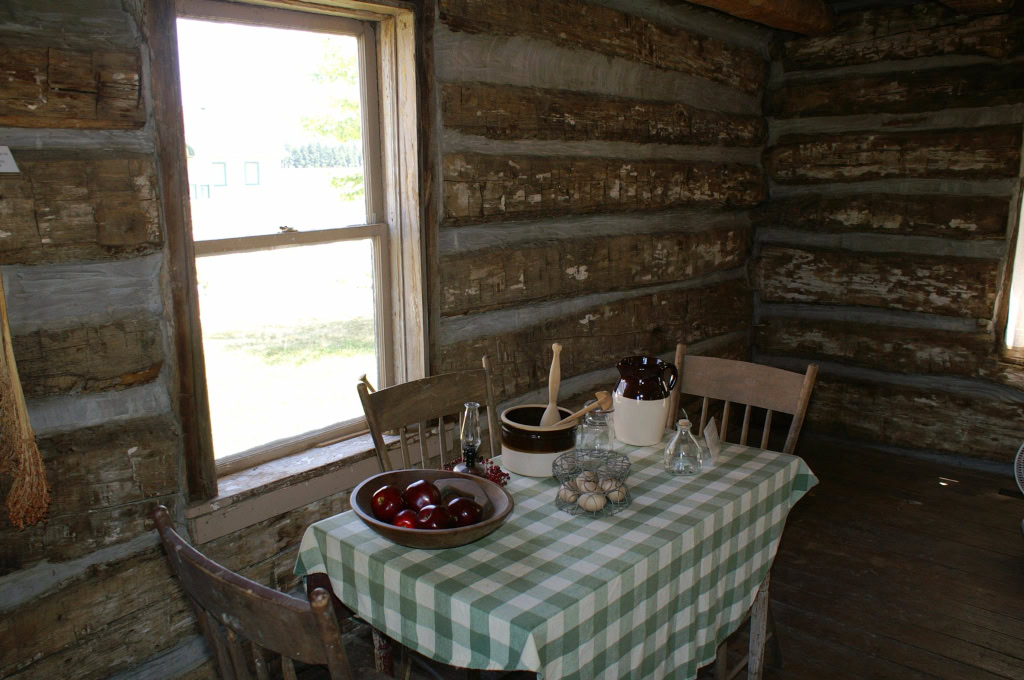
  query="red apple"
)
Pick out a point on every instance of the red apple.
point(387, 502)
point(406, 518)
point(434, 517)
point(421, 493)
point(465, 511)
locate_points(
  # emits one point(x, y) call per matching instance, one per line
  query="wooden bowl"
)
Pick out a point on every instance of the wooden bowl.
point(431, 539)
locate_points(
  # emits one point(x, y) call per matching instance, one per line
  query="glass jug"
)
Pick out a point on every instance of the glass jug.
point(683, 454)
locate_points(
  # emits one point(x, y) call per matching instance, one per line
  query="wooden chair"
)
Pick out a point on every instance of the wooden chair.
point(746, 384)
point(236, 615)
point(752, 386)
point(420, 405)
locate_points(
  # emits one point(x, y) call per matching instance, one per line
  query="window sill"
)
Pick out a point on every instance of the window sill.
point(1012, 356)
point(251, 496)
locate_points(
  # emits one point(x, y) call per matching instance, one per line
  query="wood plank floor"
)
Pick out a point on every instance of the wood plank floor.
point(891, 568)
point(900, 568)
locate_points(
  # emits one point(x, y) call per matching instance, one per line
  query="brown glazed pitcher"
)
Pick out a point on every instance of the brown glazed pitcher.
point(641, 399)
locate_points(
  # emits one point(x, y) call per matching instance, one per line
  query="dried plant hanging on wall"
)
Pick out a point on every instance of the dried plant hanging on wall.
point(29, 498)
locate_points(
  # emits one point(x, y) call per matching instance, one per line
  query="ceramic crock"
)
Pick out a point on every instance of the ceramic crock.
point(641, 399)
point(528, 449)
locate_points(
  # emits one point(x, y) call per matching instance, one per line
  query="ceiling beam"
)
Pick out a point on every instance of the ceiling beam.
point(808, 17)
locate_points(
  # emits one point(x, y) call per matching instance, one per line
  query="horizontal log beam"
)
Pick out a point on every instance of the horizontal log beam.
point(577, 24)
point(961, 287)
point(56, 88)
point(905, 92)
point(956, 217)
point(480, 280)
point(89, 358)
point(505, 112)
point(891, 348)
point(482, 188)
point(977, 153)
point(898, 33)
point(960, 424)
point(808, 17)
point(61, 210)
point(597, 337)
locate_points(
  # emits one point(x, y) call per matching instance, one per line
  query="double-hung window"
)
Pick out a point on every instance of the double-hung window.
point(294, 258)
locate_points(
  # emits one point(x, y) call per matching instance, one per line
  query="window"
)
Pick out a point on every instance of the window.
point(293, 271)
point(252, 173)
point(220, 174)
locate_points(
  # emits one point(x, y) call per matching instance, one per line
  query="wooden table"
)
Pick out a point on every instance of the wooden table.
point(648, 592)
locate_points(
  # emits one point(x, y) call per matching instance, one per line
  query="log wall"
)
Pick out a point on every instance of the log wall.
point(599, 162)
point(894, 161)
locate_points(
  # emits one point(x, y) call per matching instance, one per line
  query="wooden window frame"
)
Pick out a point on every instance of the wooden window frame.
point(396, 210)
point(1007, 353)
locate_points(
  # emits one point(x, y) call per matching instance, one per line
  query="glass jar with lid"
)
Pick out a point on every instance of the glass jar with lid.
point(595, 432)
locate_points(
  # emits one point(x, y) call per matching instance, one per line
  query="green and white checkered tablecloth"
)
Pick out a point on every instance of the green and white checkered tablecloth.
point(646, 593)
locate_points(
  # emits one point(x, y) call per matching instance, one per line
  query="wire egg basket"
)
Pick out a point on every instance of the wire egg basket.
point(592, 483)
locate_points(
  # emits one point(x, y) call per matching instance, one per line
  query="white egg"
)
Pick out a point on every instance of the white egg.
point(617, 494)
point(587, 482)
point(567, 494)
point(592, 502)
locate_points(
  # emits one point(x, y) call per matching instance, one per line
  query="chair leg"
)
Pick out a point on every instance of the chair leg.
point(758, 631)
point(773, 635)
point(383, 655)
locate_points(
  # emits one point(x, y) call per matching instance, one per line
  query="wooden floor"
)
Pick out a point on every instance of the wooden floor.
point(894, 568)
point(901, 568)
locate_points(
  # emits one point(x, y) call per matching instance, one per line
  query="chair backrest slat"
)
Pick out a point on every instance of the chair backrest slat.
point(767, 429)
point(403, 435)
point(288, 669)
point(746, 425)
point(211, 629)
point(753, 385)
point(238, 656)
point(248, 611)
point(262, 672)
point(425, 402)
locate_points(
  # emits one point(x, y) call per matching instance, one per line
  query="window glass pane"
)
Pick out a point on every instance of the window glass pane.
point(281, 109)
point(286, 334)
point(1015, 319)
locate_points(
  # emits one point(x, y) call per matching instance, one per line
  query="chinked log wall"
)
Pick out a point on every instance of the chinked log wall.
point(894, 155)
point(599, 163)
